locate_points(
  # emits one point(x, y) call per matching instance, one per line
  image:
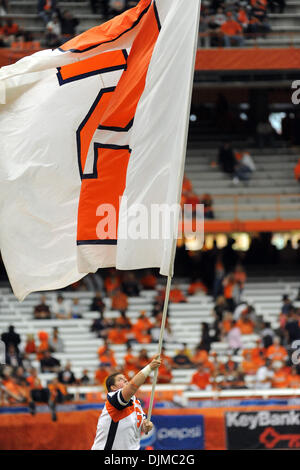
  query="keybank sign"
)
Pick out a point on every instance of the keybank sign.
point(178, 432)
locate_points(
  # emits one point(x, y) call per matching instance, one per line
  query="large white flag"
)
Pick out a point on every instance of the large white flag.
point(99, 123)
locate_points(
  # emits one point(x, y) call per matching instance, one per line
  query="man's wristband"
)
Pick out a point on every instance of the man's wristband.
point(146, 371)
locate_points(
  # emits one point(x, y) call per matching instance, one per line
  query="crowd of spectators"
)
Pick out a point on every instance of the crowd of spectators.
point(266, 365)
point(222, 23)
point(232, 22)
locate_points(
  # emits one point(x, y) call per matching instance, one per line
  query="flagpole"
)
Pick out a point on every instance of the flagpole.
point(172, 257)
point(161, 337)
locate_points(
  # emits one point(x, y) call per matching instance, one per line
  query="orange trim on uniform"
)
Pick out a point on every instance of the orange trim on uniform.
point(117, 415)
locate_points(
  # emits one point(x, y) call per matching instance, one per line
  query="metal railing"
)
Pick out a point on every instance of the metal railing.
point(238, 203)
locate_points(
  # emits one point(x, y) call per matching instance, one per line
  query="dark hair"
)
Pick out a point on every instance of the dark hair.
point(111, 381)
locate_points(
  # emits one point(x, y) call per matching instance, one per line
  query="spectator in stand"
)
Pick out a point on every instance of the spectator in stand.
point(242, 18)
point(124, 322)
point(148, 281)
point(287, 305)
point(264, 376)
point(218, 278)
point(30, 347)
point(258, 27)
point(234, 338)
point(142, 361)
point(200, 356)
point(42, 310)
point(206, 339)
point(297, 171)
point(66, 375)
point(11, 30)
point(58, 394)
point(259, 8)
point(143, 323)
point(226, 158)
point(228, 284)
point(220, 17)
point(292, 327)
point(240, 279)
point(165, 372)
point(38, 392)
point(107, 355)
point(182, 360)
point(53, 32)
point(220, 307)
point(130, 286)
point(276, 352)
point(280, 378)
point(130, 363)
point(12, 356)
point(197, 287)
point(117, 335)
point(112, 283)
point(101, 374)
point(56, 344)
point(61, 308)
point(201, 379)
point(68, 24)
point(119, 301)
point(143, 336)
point(97, 304)
point(46, 8)
point(76, 309)
point(18, 392)
point(155, 330)
point(192, 200)
point(229, 365)
point(49, 363)
point(216, 36)
point(232, 31)
point(226, 324)
point(279, 3)
point(246, 325)
point(244, 168)
point(294, 378)
point(85, 379)
point(267, 335)
point(177, 296)
point(208, 206)
point(44, 344)
point(10, 337)
point(101, 326)
point(249, 366)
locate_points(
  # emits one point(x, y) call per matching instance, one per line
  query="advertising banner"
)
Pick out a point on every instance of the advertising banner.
point(175, 433)
point(267, 429)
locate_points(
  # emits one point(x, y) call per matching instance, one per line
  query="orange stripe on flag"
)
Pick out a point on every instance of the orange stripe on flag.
point(109, 31)
point(115, 109)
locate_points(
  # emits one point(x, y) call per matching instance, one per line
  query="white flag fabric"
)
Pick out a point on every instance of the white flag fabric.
point(99, 123)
